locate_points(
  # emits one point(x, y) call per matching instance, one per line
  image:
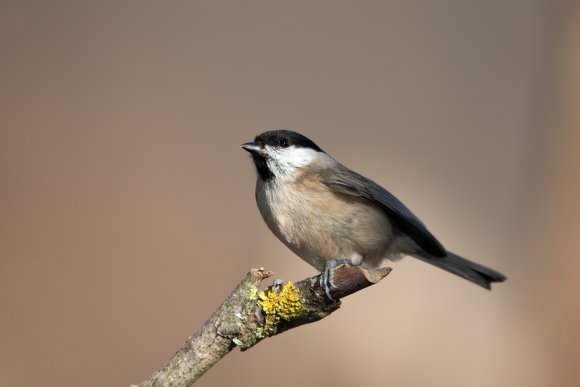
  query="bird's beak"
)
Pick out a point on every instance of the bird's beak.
point(253, 147)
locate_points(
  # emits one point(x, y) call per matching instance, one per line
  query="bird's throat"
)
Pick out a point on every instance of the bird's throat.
point(262, 167)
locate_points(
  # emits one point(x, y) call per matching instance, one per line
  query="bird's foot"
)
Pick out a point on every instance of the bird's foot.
point(327, 276)
point(278, 282)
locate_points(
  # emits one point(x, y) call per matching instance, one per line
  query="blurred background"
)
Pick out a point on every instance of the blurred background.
point(127, 208)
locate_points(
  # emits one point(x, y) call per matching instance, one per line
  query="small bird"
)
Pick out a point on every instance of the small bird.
point(329, 215)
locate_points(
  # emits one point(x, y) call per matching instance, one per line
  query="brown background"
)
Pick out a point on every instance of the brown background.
point(127, 211)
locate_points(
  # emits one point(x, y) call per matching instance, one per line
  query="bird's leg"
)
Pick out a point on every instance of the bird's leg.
point(327, 276)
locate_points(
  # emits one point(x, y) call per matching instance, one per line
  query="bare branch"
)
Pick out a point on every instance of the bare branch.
point(248, 316)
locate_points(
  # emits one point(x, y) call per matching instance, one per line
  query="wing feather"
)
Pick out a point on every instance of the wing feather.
point(351, 183)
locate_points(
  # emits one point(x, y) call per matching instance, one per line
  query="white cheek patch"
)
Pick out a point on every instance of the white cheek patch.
point(297, 157)
point(284, 161)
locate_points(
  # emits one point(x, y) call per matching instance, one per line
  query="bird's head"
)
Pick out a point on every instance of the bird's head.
point(280, 154)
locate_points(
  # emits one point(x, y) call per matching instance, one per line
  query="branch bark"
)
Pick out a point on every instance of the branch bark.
point(248, 316)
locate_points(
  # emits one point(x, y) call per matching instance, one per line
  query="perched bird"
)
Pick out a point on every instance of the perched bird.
point(329, 215)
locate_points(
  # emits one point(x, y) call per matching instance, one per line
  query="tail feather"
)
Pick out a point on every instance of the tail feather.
point(471, 271)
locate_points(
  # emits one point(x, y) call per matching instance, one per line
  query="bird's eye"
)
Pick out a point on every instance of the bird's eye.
point(283, 143)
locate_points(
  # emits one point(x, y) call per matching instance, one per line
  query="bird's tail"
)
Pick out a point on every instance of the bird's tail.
point(471, 271)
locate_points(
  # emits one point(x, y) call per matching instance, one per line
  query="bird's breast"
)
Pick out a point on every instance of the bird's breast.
point(320, 225)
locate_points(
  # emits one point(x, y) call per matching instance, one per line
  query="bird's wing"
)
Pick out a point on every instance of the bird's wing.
point(345, 181)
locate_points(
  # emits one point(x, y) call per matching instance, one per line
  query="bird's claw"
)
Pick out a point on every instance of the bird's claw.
point(327, 276)
point(278, 282)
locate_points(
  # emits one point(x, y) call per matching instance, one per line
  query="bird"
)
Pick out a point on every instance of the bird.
point(329, 215)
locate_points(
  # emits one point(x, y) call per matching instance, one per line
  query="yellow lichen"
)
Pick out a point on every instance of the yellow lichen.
point(281, 302)
point(253, 293)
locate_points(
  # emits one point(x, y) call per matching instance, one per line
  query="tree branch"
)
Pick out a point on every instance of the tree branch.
point(248, 316)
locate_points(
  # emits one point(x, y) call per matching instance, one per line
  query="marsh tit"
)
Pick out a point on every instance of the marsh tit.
point(329, 215)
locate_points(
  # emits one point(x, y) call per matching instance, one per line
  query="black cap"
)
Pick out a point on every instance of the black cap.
point(286, 137)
